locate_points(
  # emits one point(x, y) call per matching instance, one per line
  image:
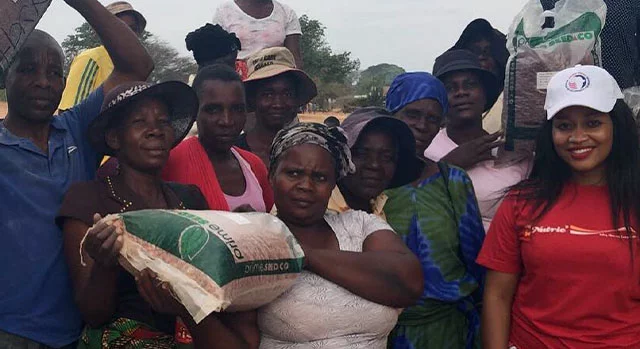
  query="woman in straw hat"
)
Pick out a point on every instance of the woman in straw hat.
point(276, 90)
point(562, 251)
point(139, 124)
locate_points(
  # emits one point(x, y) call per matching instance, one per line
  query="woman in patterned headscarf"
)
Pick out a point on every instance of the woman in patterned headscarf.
point(352, 306)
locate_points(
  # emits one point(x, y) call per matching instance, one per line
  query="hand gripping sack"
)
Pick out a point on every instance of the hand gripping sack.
point(213, 260)
point(536, 54)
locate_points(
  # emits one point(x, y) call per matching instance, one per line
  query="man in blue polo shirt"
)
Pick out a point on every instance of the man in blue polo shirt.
point(41, 155)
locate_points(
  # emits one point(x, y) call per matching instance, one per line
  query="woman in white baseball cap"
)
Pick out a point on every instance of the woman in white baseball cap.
point(562, 251)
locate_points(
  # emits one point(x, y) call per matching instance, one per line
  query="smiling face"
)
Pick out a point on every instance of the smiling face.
point(276, 102)
point(376, 157)
point(222, 114)
point(424, 118)
point(467, 98)
point(583, 138)
point(302, 182)
point(35, 81)
point(144, 139)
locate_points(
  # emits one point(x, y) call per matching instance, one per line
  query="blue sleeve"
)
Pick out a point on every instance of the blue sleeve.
point(471, 230)
point(77, 121)
point(80, 116)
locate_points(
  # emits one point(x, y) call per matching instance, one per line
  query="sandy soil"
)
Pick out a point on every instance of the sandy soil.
point(316, 117)
point(319, 117)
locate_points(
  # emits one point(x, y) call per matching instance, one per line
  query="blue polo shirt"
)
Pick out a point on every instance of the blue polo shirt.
point(36, 300)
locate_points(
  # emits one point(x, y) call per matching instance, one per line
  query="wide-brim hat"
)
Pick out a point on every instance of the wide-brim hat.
point(277, 61)
point(409, 167)
point(121, 7)
point(180, 99)
point(463, 60)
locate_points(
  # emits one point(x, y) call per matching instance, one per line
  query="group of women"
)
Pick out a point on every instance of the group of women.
point(390, 209)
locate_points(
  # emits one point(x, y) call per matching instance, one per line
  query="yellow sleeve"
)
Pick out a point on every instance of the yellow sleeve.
point(80, 82)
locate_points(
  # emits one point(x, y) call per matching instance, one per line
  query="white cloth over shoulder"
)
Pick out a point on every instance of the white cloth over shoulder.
point(316, 313)
point(258, 34)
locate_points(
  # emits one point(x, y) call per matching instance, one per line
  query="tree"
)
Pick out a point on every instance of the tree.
point(332, 72)
point(84, 38)
point(377, 76)
point(169, 65)
point(319, 60)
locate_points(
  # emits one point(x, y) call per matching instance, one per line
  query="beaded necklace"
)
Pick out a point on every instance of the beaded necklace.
point(128, 203)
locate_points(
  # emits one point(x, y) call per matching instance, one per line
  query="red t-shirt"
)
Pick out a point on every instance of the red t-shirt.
point(578, 288)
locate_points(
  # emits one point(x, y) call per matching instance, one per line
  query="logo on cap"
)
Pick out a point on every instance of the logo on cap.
point(578, 82)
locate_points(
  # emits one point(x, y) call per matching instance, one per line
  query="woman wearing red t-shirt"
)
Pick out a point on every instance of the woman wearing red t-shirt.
point(562, 251)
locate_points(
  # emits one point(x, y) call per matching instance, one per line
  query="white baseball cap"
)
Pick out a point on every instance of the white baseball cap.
point(583, 85)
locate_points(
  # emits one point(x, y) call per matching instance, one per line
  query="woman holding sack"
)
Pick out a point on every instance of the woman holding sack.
point(139, 124)
point(562, 251)
point(351, 307)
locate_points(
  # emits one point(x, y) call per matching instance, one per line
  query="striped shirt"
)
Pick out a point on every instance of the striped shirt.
point(88, 71)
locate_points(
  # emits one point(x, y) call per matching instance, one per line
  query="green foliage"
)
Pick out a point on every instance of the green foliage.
point(333, 72)
point(3, 97)
point(84, 38)
point(377, 76)
point(169, 65)
point(319, 60)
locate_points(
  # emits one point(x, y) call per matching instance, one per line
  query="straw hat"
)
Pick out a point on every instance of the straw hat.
point(119, 7)
point(181, 100)
point(275, 61)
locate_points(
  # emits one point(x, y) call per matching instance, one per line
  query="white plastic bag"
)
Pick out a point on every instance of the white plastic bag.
point(632, 97)
point(536, 54)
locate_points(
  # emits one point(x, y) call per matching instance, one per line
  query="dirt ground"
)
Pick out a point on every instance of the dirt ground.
point(316, 117)
point(319, 117)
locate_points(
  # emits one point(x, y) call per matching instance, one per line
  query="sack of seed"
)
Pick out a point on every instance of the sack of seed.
point(214, 261)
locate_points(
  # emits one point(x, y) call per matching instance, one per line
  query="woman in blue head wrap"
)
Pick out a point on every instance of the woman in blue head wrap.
point(438, 218)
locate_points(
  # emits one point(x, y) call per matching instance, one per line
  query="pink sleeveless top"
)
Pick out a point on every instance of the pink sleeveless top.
point(253, 192)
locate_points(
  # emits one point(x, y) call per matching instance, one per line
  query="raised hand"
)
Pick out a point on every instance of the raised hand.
point(471, 153)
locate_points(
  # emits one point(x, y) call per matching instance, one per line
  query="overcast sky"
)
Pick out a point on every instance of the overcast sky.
point(409, 33)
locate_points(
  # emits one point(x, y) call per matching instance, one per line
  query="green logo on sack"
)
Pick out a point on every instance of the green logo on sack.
point(192, 241)
point(584, 28)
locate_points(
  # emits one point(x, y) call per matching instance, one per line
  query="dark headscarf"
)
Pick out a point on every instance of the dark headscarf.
point(332, 140)
point(410, 87)
point(211, 42)
point(482, 29)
